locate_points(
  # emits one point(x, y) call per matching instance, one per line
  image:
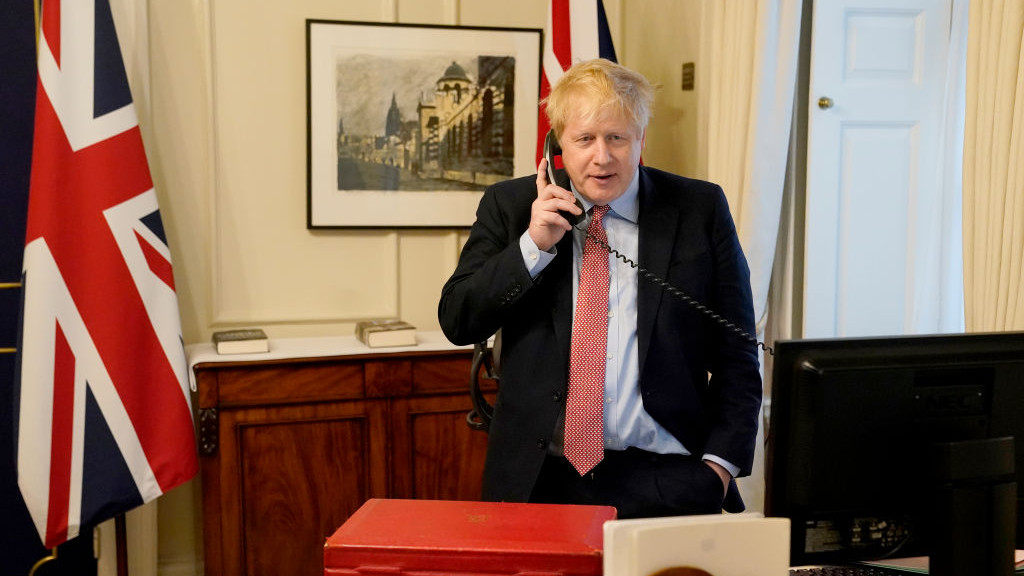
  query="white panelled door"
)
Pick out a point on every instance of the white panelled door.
point(873, 205)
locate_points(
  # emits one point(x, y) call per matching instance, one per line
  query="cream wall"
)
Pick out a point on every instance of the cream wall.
point(220, 88)
point(228, 145)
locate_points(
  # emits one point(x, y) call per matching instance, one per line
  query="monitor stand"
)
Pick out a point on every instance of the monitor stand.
point(975, 508)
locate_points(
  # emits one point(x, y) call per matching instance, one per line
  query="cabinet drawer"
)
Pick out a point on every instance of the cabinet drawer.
point(289, 383)
point(441, 374)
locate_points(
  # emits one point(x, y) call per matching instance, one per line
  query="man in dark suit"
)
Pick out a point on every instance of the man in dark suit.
point(678, 394)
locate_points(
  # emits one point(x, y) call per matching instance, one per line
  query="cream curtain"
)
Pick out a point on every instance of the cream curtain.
point(750, 51)
point(993, 201)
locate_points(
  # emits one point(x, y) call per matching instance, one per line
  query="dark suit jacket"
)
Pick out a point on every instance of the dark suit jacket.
point(688, 238)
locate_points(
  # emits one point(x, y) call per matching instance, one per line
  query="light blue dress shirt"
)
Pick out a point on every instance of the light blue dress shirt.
point(626, 423)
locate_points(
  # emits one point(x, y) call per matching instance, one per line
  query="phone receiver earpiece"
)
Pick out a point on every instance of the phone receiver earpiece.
point(561, 179)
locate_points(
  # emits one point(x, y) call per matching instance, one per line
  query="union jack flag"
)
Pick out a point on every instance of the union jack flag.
point(576, 30)
point(103, 418)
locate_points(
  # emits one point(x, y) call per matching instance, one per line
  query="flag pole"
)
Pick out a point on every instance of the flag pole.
point(120, 540)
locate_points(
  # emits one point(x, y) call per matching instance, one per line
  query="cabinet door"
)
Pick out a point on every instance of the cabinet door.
point(436, 454)
point(301, 471)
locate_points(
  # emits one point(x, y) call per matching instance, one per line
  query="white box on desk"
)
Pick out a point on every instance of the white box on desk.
point(723, 545)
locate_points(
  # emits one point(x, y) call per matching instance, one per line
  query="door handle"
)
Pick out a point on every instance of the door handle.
point(825, 103)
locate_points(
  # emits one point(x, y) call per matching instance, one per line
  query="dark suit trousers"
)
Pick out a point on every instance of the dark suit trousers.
point(638, 484)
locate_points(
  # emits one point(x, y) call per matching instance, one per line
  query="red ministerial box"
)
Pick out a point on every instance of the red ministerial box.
point(479, 538)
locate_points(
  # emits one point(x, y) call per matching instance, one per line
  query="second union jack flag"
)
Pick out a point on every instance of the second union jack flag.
point(576, 30)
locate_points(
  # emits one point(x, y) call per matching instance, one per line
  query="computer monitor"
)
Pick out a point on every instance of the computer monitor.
point(893, 446)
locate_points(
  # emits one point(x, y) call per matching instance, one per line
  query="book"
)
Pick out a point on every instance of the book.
point(241, 341)
point(386, 332)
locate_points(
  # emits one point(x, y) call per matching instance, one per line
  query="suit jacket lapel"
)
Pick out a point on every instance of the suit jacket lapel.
point(658, 222)
point(560, 270)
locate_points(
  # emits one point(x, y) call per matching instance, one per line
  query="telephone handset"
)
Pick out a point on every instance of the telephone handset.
point(552, 149)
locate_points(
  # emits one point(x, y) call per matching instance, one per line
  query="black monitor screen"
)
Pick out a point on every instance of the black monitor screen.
point(854, 451)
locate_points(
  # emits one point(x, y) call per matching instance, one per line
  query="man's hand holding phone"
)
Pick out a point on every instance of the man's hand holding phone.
point(547, 226)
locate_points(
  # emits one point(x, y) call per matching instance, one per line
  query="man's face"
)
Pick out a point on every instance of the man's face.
point(601, 155)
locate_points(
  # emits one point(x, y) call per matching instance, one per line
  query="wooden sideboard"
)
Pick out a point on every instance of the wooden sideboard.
point(290, 447)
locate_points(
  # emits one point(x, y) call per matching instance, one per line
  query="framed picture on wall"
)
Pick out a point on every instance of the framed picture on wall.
point(407, 124)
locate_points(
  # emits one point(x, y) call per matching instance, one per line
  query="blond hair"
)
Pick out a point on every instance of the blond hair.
point(593, 88)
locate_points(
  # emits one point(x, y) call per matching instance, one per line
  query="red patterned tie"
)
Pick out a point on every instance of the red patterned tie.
point(584, 408)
